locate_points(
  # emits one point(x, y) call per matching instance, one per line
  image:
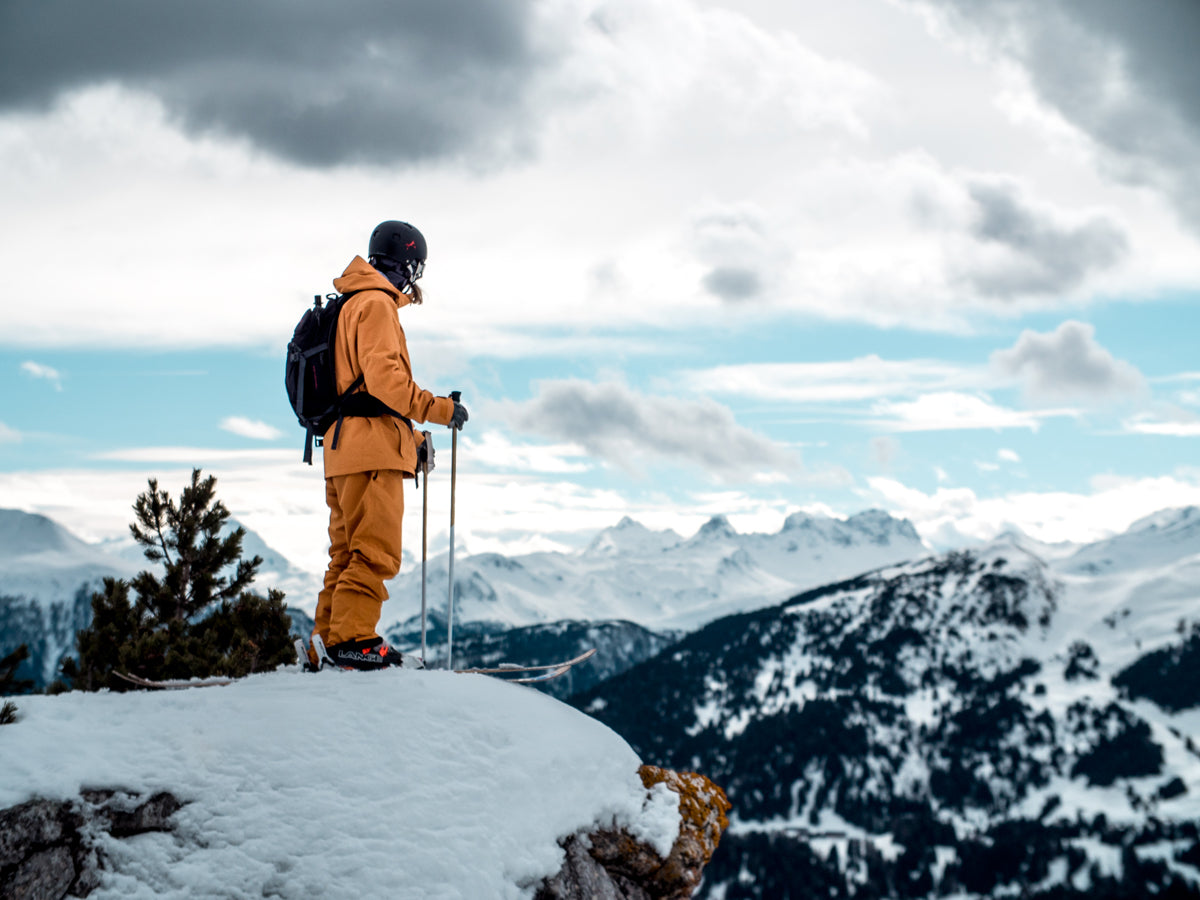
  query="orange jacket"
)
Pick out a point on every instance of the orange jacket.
point(370, 342)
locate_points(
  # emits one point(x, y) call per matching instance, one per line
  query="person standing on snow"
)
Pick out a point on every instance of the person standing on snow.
point(367, 458)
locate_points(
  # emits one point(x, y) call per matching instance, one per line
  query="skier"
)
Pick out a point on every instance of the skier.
point(367, 458)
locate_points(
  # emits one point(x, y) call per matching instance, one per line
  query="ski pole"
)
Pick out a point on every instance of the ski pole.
point(455, 395)
point(424, 543)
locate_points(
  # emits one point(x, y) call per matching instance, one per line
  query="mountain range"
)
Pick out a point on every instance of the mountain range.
point(630, 592)
point(1010, 719)
point(979, 723)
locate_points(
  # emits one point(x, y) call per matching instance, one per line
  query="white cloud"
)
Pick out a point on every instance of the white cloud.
point(194, 456)
point(1006, 455)
point(250, 428)
point(9, 435)
point(952, 411)
point(496, 451)
point(949, 516)
point(884, 449)
point(285, 504)
point(45, 373)
point(864, 378)
point(1168, 423)
point(817, 151)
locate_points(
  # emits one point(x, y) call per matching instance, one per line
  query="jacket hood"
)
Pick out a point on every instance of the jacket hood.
point(360, 275)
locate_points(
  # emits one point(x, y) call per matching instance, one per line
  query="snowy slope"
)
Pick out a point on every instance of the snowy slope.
point(42, 561)
point(658, 579)
point(46, 579)
point(954, 722)
point(1165, 537)
point(401, 784)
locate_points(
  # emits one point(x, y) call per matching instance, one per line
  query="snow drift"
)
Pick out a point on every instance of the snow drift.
point(421, 784)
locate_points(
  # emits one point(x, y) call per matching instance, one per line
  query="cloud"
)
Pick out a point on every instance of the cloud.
point(952, 411)
point(320, 84)
point(733, 242)
point(195, 456)
point(949, 516)
point(1169, 422)
point(1123, 73)
point(37, 370)
point(494, 450)
point(1025, 250)
point(1009, 456)
point(884, 450)
point(733, 284)
point(840, 381)
point(1068, 364)
point(250, 428)
point(9, 435)
point(625, 428)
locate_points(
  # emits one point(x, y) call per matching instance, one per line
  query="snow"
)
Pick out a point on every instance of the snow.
point(659, 580)
point(408, 784)
point(653, 578)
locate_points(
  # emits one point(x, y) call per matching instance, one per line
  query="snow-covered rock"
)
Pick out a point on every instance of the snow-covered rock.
point(404, 784)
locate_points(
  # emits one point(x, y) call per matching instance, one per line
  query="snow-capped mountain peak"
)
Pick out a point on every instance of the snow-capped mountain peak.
point(880, 527)
point(25, 534)
point(660, 581)
point(715, 529)
point(1168, 521)
point(1163, 538)
point(631, 537)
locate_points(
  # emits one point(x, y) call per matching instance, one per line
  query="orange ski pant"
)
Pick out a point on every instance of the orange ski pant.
point(365, 514)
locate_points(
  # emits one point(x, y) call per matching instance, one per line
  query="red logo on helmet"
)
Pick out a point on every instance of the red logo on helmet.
point(410, 245)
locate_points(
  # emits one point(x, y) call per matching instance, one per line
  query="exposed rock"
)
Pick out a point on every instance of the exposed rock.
point(47, 848)
point(612, 863)
point(46, 875)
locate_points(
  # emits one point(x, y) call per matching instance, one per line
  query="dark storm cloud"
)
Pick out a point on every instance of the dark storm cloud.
point(1045, 256)
point(1125, 72)
point(623, 427)
point(733, 283)
point(378, 81)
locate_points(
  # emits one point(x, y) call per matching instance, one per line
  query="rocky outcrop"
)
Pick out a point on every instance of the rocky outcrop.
point(47, 847)
point(611, 864)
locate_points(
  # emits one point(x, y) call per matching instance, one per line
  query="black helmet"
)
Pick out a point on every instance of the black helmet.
point(397, 241)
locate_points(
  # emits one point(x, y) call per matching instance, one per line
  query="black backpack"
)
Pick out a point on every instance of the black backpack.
point(311, 381)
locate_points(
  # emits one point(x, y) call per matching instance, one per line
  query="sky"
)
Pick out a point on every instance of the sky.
point(686, 257)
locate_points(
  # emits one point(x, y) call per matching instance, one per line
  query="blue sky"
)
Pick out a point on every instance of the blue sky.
point(686, 258)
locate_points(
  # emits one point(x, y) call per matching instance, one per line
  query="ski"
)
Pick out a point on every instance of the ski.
point(525, 674)
point(173, 685)
point(504, 669)
point(534, 679)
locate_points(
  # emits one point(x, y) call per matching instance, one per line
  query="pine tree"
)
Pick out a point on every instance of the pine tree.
point(11, 684)
point(197, 618)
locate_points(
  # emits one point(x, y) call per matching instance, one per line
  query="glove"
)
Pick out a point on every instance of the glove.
point(460, 416)
point(425, 454)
